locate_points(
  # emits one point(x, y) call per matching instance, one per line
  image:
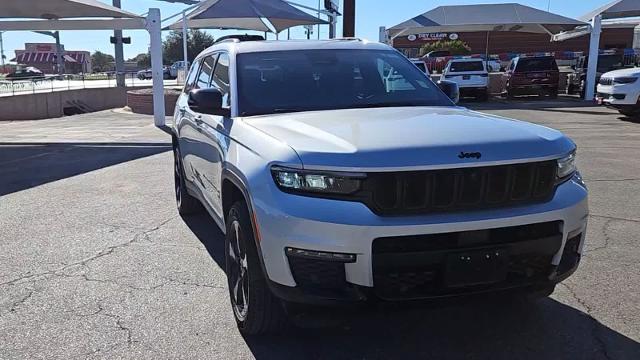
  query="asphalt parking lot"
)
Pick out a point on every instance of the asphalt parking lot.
point(96, 263)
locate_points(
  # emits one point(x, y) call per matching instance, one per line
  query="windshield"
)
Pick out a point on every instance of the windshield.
point(537, 64)
point(461, 66)
point(305, 80)
point(608, 62)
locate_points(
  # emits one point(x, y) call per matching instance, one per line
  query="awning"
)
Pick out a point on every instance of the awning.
point(258, 15)
point(57, 9)
point(615, 9)
point(27, 57)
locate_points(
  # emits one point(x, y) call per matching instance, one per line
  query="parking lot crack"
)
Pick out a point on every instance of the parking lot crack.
point(594, 323)
point(606, 236)
point(102, 253)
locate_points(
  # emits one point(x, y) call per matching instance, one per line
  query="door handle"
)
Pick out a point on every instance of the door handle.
point(198, 120)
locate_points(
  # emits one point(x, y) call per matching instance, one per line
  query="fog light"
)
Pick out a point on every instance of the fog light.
point(321, 255)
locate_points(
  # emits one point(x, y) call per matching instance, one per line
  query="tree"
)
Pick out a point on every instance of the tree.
point(196, 42)
point(100, 61)
point(142, 60)
point(456, 47)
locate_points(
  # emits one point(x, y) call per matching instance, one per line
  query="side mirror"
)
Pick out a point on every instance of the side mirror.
point(207, 101)
point(451, 89)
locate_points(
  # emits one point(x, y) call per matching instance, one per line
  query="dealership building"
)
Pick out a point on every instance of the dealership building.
point(44, 57)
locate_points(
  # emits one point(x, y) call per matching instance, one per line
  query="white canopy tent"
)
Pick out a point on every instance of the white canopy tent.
point(614, 10)
point(28, 15)
point(257, 15)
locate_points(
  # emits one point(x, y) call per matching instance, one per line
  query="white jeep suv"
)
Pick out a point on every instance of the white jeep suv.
point(471, 75)
point(335, 185)
point(620, 89)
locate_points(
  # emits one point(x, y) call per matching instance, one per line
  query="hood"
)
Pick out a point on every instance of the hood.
point(407, 137)
point(622, 72)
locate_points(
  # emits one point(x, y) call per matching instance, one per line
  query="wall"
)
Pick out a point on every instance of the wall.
point(51, 105)
point(515, 42)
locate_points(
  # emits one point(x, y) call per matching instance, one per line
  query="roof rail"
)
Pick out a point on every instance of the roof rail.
point(239, 38)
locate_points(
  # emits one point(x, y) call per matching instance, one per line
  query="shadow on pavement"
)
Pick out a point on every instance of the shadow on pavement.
point(535, 103)
point(484, 329)
point(27, 165)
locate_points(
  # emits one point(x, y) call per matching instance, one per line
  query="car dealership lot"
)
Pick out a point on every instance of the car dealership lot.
point(96, 263)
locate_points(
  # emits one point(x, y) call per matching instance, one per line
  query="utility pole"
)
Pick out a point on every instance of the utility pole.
point(119, 52)
point(2, 50)
point(349, 19)
point(59, 53)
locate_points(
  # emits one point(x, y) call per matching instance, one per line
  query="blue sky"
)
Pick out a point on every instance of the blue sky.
point(370, 14)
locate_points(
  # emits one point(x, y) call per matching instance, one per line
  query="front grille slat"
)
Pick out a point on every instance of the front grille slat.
point(431, 191)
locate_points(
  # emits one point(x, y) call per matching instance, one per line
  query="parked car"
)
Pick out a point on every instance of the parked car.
point(531, 75)
point(27, 73)
point(420, 64)
point(333, 186)
point(173, 71)
point(494, 65)
point(620, 90)
point(471, 76)
point(148, 74)
point(606, 62)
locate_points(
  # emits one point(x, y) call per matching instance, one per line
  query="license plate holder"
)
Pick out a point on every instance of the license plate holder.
point(466, 77)
point(481, 267)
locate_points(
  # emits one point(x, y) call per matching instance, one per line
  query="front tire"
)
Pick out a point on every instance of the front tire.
point(255, 308)
point(186, 203)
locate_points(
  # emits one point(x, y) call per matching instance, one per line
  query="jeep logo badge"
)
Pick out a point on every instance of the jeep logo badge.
point(472, 155)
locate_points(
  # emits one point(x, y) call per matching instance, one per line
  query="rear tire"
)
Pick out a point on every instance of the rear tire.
point(186, 203)
point(255, 308)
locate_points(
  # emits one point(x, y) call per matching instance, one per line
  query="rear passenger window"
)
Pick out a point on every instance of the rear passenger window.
point(191, 79)
point(204, 79)
point(220, 78)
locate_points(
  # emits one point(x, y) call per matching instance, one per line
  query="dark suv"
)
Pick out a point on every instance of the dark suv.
point(537, 75)
point(606, 63)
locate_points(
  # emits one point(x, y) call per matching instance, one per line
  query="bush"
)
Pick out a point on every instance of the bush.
point(456, 47)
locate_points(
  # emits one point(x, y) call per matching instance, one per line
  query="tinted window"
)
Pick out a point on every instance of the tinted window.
point(459, 66)
point(191, 79)
point(204, 79)
point(537, 64)
point(288, 81)
point(220, 78)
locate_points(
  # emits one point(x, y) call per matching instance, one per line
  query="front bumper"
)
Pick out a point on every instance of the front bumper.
point(621, 95)
point(351, 228)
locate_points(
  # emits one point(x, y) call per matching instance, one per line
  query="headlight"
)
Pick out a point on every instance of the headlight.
point(566, 166)
point(625, 80)
point(295, 180)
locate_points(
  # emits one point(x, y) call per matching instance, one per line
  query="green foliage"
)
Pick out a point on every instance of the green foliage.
point(100, 61)
point(142, 60)
point(196, 42)
point(456, 47)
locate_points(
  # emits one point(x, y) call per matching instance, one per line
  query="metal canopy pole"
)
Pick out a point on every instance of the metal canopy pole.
point(486, 50)
point(185, 39)
point(594, 46)
point(155, 32)
point(119, 52)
